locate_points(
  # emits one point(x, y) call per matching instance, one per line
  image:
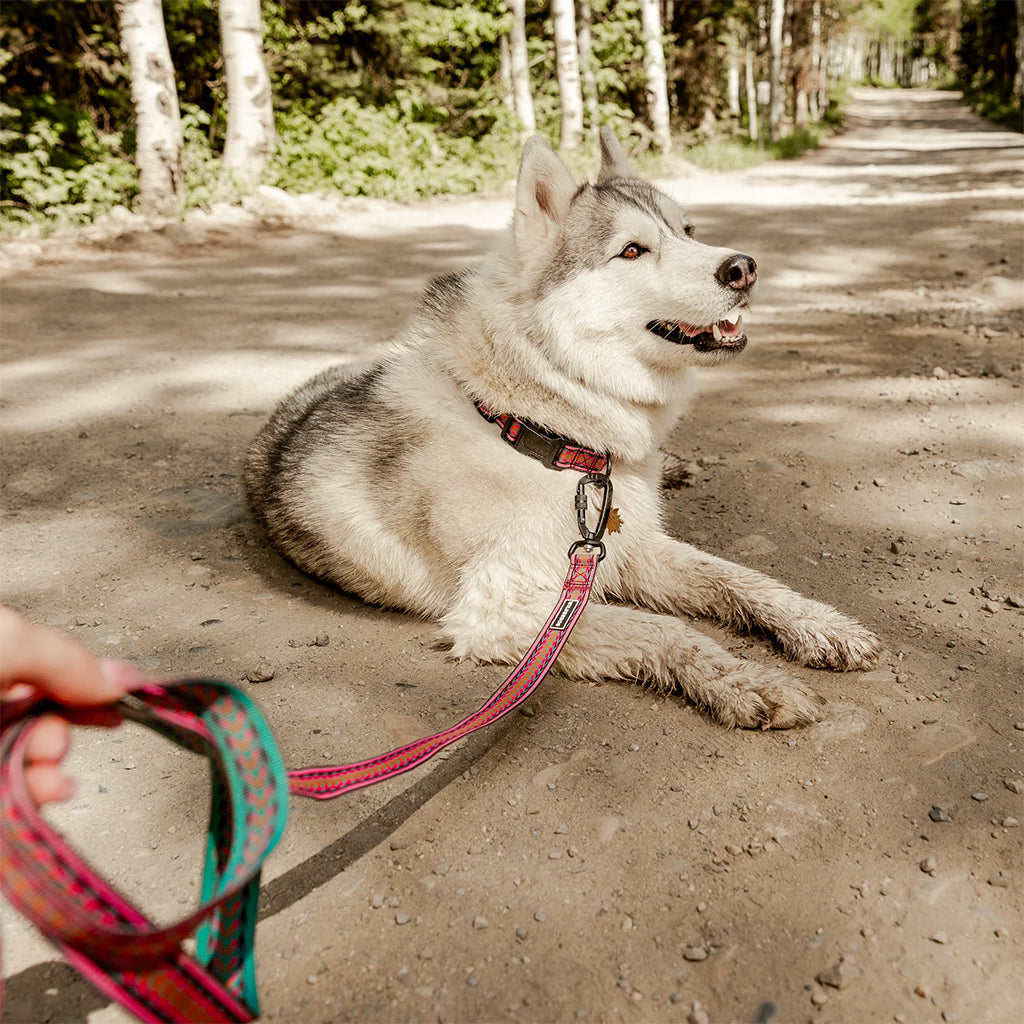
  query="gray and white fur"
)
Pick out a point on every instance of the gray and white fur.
point(384, 479)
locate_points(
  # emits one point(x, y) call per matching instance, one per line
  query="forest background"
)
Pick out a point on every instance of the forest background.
point(165, 106)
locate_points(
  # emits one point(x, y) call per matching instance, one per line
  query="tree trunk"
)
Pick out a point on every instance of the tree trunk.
point(775, 106)
point(521, 69)
point(1018, 78)
point(251, 135)
point(816, 62)
point(505, 69)
point(587, 75)
point(567, 59)
point(752, 125)
point(155, 96)
point(654, 72)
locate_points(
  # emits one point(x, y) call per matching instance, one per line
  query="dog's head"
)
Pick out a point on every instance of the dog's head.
point(613, 271)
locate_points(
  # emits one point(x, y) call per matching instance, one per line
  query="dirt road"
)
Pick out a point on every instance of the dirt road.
point(610, 855)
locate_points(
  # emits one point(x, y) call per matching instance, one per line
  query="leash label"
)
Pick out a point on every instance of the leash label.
point(564, 614)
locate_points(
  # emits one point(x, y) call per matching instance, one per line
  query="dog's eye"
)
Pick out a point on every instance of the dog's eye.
point(689, 230)
point(633, 251)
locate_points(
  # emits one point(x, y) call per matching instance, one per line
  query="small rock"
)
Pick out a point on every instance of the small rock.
point(840, 974)
point(196, 556)
point(311, 979)
point(1001, 881)
point(320, 640)
point(263, 672)
point(479, 922)
point(1015, 600)
point(1014, 785)
point(939, 937)
point(442, 869)
point(940, 374)
point(980, 797)
point(695, 954)
point(929, 865)
point(522, 934)
point(950, 599)
point(819, 997)
point(941, 812)
point(403, 918)
point(541, 915)
point(1010, 823)
point(990, 606)
point(377, 901)
point(697, 1015)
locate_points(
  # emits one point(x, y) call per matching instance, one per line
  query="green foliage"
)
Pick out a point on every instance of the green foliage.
point(56, 166)
point(987, 59)
point(383, 152)
point(733, 153)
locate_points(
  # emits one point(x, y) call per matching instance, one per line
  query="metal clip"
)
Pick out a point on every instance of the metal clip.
point(604, 483)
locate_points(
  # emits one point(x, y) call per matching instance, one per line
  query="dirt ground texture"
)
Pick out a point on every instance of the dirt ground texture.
point(608, 855)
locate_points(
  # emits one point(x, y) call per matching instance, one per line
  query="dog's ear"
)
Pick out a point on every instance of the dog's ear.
point(543, 193)
point(614, 162)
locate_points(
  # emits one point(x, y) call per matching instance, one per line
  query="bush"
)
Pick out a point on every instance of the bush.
point(56, 167)
point(378, 151)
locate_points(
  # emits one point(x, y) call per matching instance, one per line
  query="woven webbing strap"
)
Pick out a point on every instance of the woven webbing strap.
point(326, 783)
point(553, 451)
point(115, 946)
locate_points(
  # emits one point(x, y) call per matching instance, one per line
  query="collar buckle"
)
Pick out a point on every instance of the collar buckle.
point(537, 443)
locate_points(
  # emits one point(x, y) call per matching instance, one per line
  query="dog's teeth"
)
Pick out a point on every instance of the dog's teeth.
point(739, 321)
point(716, 332)
point(734, 317)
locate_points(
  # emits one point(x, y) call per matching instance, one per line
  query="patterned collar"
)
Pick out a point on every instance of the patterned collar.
point(553, 451)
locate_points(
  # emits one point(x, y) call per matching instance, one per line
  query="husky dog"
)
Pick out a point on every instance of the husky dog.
point(387, 481)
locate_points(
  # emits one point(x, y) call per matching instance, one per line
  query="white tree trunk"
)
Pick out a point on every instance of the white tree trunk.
point(521, 68)
point(817, 67)
point(567, 58)
point(775, 107)
point(251, 135)
point(505, 57)
point(587, 75)
point(752, 124)
point(155, 96)
point(654, 72)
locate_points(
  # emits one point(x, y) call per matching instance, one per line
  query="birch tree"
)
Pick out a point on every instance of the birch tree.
point(775, 105)
point(587, 76)
point(155, 98)
point(250, 131)
point(521, 68)
point(568, 64)
point(748, 67)
point(654, 72)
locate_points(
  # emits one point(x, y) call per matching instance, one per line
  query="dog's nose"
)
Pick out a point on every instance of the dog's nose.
point(738, 272)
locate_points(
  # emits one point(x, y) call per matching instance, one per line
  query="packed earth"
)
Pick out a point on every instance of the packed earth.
point(607, 854)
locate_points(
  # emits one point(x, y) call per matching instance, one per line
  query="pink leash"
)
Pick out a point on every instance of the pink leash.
point(142, 966)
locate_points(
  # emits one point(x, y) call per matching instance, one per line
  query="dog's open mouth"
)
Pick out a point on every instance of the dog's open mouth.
point(725, 334)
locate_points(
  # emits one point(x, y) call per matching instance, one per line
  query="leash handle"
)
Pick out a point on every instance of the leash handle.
point(326, 783)
point(113, 944)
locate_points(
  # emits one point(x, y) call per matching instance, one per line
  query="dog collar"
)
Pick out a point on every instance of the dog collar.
point(553, 451)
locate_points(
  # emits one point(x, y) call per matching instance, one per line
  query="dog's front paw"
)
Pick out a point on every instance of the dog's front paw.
point(755, 697)
point(825, 638)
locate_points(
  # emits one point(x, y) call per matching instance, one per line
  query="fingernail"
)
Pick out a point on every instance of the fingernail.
point(122, 675)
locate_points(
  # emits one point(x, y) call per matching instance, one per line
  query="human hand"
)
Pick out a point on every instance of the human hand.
point(37, 660)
